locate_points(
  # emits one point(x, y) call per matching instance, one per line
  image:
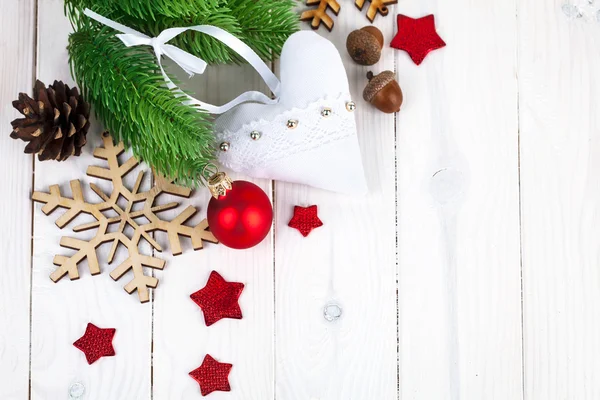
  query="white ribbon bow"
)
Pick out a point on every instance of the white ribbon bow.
point(194, 65)
point(188, 62)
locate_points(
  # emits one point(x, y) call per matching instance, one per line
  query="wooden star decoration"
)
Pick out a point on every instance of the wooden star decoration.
point(417, 37)
point(96, 343)
point(219, 299)
point(305, 219)
point(376, 6)
point(212, 376)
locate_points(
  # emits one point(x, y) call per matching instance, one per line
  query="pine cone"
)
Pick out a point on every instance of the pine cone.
point(56, 121)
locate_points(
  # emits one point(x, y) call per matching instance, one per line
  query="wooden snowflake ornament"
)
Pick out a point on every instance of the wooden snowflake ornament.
point(319, 15)
point(376, 6)
point(125, 217)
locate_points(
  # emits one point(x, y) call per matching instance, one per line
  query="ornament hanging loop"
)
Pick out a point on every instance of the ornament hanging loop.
point(217, 182)
point(208, 171)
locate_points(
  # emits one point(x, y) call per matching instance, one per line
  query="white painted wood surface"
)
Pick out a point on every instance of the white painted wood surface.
point(181, 339)
point(458, 208)
point(470, 271)
point(559, 91)
point(350, 261)
point(61, 311)
point(17, 38)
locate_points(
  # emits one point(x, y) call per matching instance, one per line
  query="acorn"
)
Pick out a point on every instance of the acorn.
point(364, 45)
point(383, 92)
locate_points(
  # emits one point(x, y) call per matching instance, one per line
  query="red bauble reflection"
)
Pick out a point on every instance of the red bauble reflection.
point(242, 218)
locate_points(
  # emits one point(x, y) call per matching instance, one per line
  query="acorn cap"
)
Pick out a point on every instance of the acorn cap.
point(376, 83)
point(373, 30)
point(364, 45)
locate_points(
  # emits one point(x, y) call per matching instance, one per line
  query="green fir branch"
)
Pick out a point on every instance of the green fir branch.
point(263, 25)
point(129, 96)
point(152, 9)
point(266, 24)
point(127, 89)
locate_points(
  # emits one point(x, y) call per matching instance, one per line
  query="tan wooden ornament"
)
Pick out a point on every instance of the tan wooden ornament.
point(319, 15)
point(125, 216)
point(376, 6)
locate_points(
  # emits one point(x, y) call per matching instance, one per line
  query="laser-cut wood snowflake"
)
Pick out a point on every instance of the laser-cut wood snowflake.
point(375, 6)
point(319, 15)
point(135, 261)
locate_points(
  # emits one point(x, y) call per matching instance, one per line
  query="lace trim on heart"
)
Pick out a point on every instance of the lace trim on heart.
point(277, 141)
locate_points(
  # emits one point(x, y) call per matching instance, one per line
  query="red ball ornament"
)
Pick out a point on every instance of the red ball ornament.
point(241, 216)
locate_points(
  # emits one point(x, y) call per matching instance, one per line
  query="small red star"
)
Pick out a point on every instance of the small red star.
point(219, 299)
point(96, 343)
point(305, 219)
point(212, 376)
point(417, 37)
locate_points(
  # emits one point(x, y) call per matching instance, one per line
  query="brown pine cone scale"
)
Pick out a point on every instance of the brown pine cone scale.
point(56, 121)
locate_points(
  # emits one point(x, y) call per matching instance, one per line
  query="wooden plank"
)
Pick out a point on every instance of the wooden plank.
point(17, 41)
point(458, 208)
point(560, 174)
point(349, 262)
point(181, 338)
point(61, 311)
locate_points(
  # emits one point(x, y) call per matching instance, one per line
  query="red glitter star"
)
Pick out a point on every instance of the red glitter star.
point(417, 37)
point(305, 219)
point(96, 343)
point(219, 299)
point(212, 376)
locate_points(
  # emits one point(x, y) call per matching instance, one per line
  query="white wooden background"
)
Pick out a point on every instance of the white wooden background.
point(470, 271)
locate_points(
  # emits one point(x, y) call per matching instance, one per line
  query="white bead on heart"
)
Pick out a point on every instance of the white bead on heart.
point(292, 124)
point(255, 135)
point(326, 112)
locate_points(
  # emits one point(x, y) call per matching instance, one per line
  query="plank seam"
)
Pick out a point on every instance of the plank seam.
point(273, 227)
point(274, 291)
point(520, 202)
point(33, 76)
point(152, 317)
point(396, 115)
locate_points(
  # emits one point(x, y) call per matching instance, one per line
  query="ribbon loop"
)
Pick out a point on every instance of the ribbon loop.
point(130, 40)
point(195, 65)
point(188, 62)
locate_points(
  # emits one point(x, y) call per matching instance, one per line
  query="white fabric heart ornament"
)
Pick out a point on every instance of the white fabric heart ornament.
point(306, 134)
point(322, 150)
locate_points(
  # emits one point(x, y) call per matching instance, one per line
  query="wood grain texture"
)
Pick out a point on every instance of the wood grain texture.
point(458, 216)
point(61, 311)
point(17, 44)
point(560, 183)
point(350, 261)
point(181, 339)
